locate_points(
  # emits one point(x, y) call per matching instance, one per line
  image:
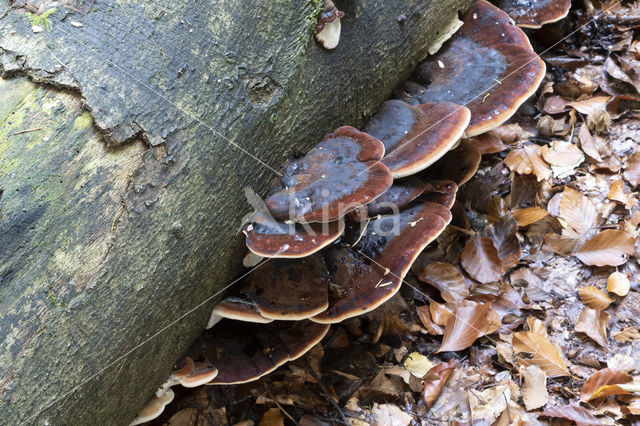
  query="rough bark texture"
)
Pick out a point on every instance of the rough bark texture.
point(120, 208)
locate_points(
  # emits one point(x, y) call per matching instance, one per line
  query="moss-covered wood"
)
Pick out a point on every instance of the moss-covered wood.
point(121, 191)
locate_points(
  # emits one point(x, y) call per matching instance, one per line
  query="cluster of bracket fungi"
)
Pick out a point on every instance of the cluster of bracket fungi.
point(343, 224)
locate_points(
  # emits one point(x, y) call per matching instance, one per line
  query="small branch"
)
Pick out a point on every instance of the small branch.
point(33, 129)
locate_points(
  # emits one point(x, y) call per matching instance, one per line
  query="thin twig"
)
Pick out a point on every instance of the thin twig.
point(33, 129)
point(326, 394)
point(278, 404)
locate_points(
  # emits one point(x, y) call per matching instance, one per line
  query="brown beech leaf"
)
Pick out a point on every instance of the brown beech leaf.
point(629, 334)
point(606, 376)
point(588, 143)
point(469, 321)
point(632, 170)
point(577, 212)
point(564, 154)
point(445, 278)
point(527, 160)
point(488, 143)
point(555, 105)
point(425, 318)
point(619, 284)
point(590, 106)
point(608, 248)
point(537, 326)
point(529, 215)
point(544, 353)
point(510, 133)
point(618, 389)
point(594, 298)
point(440, 374)
point(440, 313)
point(480, 259)
point(617, 193)
point(575, 413)
point(503, 235)
point(593, 323)
point(272, 417)
point(534, 387)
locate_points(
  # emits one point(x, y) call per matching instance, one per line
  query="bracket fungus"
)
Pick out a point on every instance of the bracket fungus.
point(371, 270)
point(262, 348)
point(401, 193)
point(441, 192)
point(340, 174)
point(236, 308)
point(458, 165)
point(488, 66)
point(154, 407)
point(416, 136)
point(535, 13)
point(328, 27)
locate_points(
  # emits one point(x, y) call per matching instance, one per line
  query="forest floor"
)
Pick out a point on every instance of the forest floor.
point(554, 300)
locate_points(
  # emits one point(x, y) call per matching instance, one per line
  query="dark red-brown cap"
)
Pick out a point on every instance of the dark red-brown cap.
point(202, 373)
point(340, 174)
point(236, 308)
point(371, 271)
point(487, 66)
point(273, 238)
point(401, 193)
point(458, 165)
point(416, 136)
point(535, 13)
point(243, 352)
point(284, 289)
point(441, 192)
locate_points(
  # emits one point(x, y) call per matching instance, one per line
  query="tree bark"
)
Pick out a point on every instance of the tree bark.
point(122, 176)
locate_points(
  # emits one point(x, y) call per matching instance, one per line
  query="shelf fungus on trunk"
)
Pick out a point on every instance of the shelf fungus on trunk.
point(328, 27)
point(535, 13)
point(416, 136)
point(370, 271)
point(340, 174)
point(244, 351)
point(236, 308)
point(458, 165)
point(401, 193)
point(488, 66)
point(441, 192)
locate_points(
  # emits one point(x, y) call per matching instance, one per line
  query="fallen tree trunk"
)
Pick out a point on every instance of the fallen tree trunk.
point(121, 180)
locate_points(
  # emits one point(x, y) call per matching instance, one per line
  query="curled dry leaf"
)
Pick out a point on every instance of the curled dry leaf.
point(544, 353)
point(620, 389)
point(487, 406)
point(564, 154)
point(590, 106)
point(440, 313)
point(577, 212)
point(593, 323)
point(588, 143)
point(632, 170)
point(629, 334)
point(272, 417)
point(389, 415)
point(418, 364)
point(577, 414)
point(608, 248)
point(436, 379)
point(488, 143)
point(503, 235)
point(529, 215)
point(619, 284)
point(480, 259)
point(594, 298)
point(604, 377)
point(528, 160)
point(432, 328)
point(534, 387)
point(617, 193)
point(469, 321)
point(445, 278)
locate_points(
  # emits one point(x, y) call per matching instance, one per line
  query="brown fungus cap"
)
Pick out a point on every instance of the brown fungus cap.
point(338, 175)
point(154, 407)
point(243, 352)
point(371, 271)
point(328, 27)
point(202, 373)
point(272, 238)
point(535, 13)
point(458, 165)
point(401, 193)
point(487, 66)
point(416, 136)
point(284, 289)
point(441, 192)
point(236, 308)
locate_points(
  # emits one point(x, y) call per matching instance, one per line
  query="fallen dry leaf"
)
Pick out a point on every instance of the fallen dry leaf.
point(418, 364)
point(576, 211)
point(480, 259)
point(622, 362)
point(440, 313)
point(437, 378)
point(528, 160)
point(469, 321)
point(590, 106)
point(629, 334)
point(486, 406)
point(389, 415)
point(544, 353)
point(632, 170)
point(594, 298)
point(534, 387)
point(503, 235)
point(588, 143)
point(619, 284)
point(617, 193)
point(563, 154)
point(593, 323)
point(601, 378)
point(488, 143)
point(577, 414)
point(608, 248)
point(272, 417)
point(529, 215)
point(424, 313)
point(445, 278)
